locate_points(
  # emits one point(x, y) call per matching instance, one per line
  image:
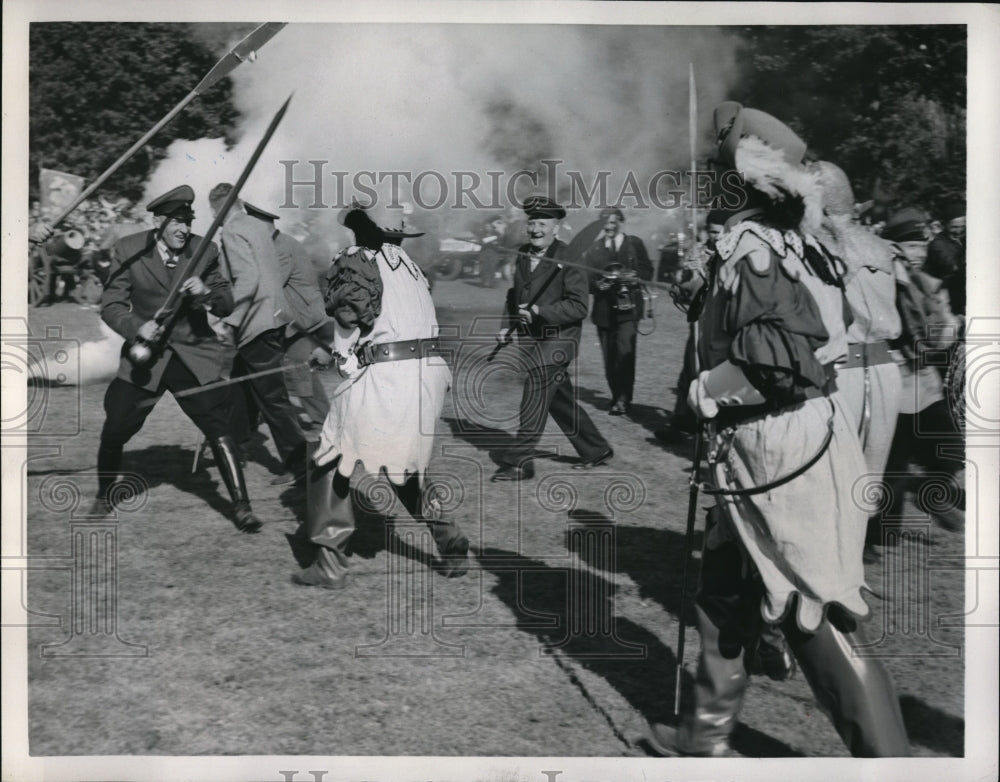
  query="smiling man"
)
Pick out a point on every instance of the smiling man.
point(546, 308)
point(144, 267)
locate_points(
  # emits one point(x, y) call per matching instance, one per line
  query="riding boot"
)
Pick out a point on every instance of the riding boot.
point(855, 691)
point(109, 462)
point(422, 501)
point(330, 523)
point(227, 458)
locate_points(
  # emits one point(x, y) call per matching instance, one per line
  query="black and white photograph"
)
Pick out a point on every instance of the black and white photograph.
point(500, 392)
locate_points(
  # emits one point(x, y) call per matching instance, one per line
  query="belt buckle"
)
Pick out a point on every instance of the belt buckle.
point(367, 354)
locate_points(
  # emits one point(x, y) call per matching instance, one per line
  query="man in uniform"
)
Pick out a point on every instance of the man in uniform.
point(546, 308)
point(619, 259)
point(259, 317)
point(310, 324)
point(143, 269)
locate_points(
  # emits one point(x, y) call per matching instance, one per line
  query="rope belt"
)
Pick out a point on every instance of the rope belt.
point(371, 353)
point(778, 481)
point(867, 354)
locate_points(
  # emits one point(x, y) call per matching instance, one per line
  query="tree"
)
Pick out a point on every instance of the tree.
point(96, 88)
point(886, 104)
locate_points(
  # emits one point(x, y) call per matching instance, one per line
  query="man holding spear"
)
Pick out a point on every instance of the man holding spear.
point(142, 275)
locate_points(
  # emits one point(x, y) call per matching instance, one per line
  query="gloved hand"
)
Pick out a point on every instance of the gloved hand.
point(321, 357)
point(699, 400)
point(150, 331)
point(348, 366)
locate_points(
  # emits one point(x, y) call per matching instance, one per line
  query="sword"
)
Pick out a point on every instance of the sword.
point(244, 50)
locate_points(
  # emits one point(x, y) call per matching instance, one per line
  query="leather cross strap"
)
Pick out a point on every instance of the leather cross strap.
point(371, 353)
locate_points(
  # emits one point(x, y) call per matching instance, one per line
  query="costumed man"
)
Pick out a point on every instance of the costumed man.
point(868, 380)
point(143, 269)
point(689, 280)
point(926, 433)
point(545, 309)
point(259, 318)
point(786, 545)
point(310, 324)
point(621, 261)
point(382, 416)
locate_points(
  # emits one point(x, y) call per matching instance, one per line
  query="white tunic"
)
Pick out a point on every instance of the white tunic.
point(384, 418)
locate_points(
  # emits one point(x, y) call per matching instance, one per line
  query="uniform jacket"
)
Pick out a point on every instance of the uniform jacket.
point(301, 286)
point(633, 257)
point(254, 270)
point(138, 282)
point(553, 336)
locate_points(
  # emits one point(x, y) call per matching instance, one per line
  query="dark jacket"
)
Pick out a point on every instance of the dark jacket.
point(553, 336)
point(138, 283)
point(633, 257)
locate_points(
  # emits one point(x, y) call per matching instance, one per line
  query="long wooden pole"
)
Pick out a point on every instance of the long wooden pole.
point(242, 51)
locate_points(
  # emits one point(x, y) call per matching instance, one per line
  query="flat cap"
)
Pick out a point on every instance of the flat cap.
point(905, 225)
point(256, 211)
point(539, 206)
point(176, 203)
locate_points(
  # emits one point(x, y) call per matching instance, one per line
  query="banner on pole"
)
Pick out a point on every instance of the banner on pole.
point(58, 189)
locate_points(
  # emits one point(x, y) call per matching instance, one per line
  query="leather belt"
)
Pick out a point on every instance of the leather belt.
point(867, 354)
point(371, 353)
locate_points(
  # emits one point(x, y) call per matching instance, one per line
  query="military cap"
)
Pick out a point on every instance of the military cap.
point(256, 211)
point(905, 225)
point(543, 207)
point(734, 122)
point(612, 210)
point(176, 203)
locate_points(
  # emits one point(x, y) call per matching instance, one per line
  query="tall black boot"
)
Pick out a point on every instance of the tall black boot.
point(109, 463)
point(227, 457)
point(855, 691)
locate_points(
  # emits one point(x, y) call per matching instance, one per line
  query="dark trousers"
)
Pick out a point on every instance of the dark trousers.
point(269, 395)
point(855, 691)
point(618, 349)
point(549, 391)
point(127, 406)
point(331, 514)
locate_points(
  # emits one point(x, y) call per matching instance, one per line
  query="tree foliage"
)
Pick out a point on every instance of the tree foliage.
point(96, 88)
point(886, 104)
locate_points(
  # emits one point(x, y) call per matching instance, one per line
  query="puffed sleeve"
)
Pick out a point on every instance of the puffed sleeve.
point(777, 326)
point(354, 290)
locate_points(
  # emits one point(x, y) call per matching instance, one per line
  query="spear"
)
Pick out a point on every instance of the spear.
point(244, 50)
point(141, 351)
point(692, 130)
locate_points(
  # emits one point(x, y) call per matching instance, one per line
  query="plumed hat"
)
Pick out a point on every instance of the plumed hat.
point(366, 232)
point(769, 155)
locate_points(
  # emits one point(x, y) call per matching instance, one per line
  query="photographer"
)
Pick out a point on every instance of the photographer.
point(623, 264)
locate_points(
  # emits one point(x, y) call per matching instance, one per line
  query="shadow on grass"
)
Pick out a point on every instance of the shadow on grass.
point(571, 611)
point(932, 728)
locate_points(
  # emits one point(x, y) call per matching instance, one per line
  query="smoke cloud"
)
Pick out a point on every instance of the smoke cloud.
point(445, 98)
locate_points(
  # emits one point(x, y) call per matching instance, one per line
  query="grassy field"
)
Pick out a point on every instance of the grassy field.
point(561, 640)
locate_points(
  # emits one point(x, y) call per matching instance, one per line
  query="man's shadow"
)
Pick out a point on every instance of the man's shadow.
point(171, 465)
point(570, 610)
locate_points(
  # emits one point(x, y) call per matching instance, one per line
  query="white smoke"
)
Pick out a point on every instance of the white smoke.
point(85, 364)
point(436, 97)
